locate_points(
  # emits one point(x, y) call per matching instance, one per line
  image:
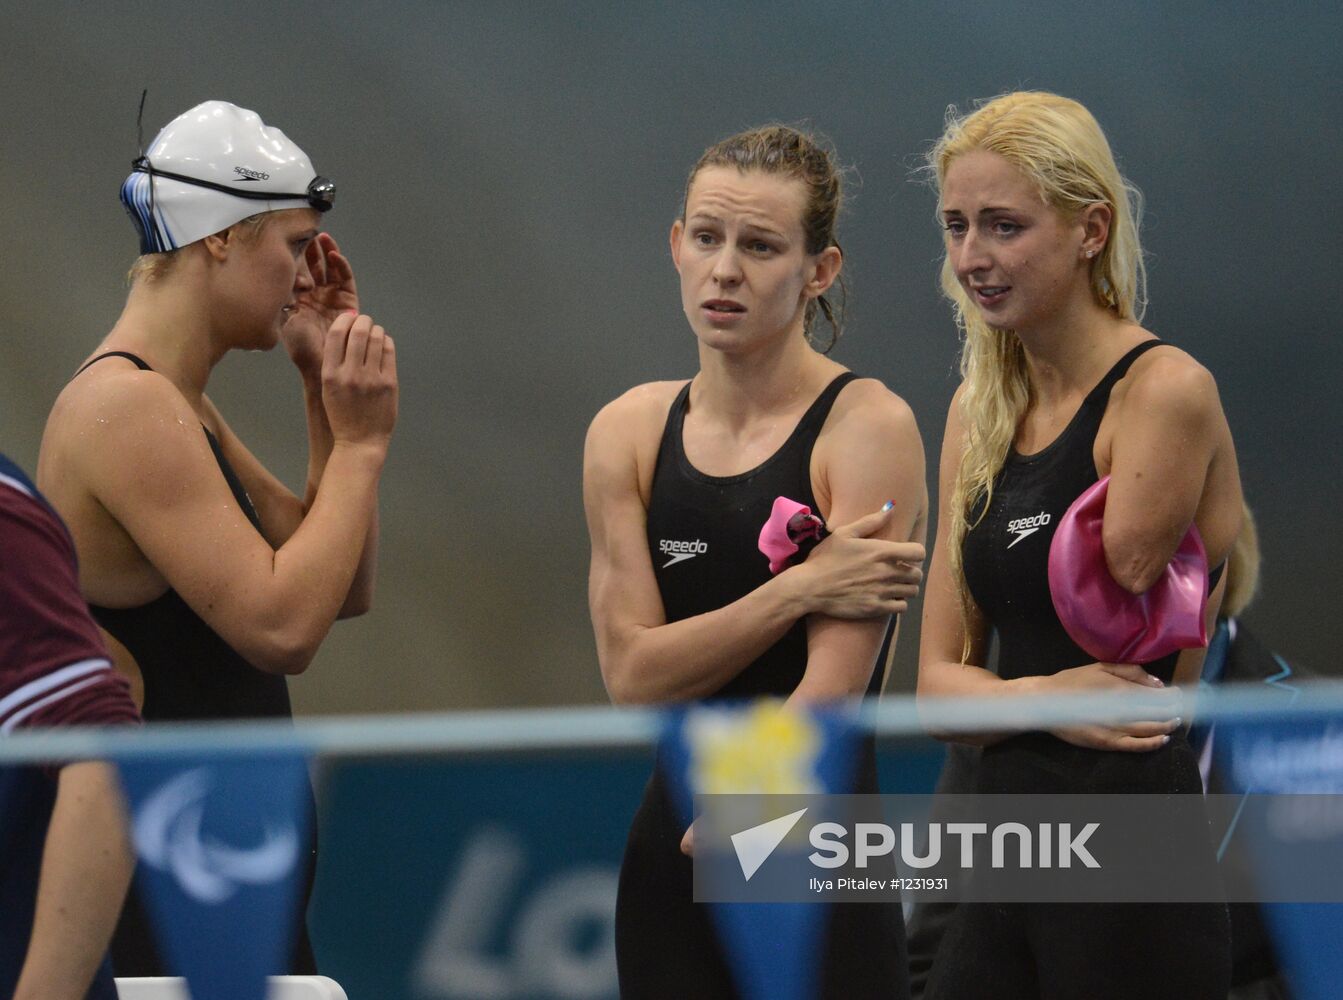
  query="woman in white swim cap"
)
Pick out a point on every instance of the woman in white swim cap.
point(210, 579)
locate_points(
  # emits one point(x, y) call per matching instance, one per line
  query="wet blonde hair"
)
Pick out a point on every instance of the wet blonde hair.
point(1058, 145)
point(152, 266)
point(155, 266)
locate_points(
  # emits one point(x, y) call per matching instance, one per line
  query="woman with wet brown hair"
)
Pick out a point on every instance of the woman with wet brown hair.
point(679, 477)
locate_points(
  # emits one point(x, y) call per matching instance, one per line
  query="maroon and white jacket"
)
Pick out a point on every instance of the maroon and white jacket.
point(54, 667)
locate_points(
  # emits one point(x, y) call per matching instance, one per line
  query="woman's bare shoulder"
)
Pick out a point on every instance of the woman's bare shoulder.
point(636, 412)
point(103, 419)
point(869, 408)
point(1170, 382)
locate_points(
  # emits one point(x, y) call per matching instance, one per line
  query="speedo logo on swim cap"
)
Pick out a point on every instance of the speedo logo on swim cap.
point(1024, 526)
point(680, 551)
point(250, 175)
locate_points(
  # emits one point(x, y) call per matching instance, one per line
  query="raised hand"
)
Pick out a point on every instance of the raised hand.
point(333, 292)
point(359, 383)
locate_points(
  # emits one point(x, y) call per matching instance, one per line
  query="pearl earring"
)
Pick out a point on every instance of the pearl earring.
point(1091, 253)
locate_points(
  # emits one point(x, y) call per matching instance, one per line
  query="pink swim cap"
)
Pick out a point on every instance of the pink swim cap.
point(790, 523)
point(1102, 617)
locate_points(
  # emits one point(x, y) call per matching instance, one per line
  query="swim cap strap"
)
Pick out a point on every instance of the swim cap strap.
point(321, 193)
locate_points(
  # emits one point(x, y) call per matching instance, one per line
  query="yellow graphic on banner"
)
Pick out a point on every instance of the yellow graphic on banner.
point(767, 749)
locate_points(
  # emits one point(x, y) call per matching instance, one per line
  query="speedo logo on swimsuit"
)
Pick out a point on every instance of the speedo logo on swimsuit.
point(250, 175)
point(1024, 526)
point(681, 551)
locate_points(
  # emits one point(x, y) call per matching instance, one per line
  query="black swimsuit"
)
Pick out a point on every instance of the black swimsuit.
point(188, 670)
point(189, 673)
point(702, 535)
point(1082, 951)
point(1006, 553)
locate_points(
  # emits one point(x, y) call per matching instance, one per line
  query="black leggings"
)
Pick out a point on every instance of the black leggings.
point(1085, 951)
point(666, 948)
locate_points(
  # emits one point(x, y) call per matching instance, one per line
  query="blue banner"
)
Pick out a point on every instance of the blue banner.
point(222, 845)
point(766, 748)
point(476, 877)
point(488, 876)
point(1301, 760)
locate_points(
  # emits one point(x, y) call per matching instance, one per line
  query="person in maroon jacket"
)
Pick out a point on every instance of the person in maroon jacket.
point(65, 858)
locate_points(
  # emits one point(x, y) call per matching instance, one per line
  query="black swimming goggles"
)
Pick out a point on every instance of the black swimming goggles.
point(321, 193)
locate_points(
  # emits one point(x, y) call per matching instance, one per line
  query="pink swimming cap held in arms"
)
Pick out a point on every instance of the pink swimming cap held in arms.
point(1102, 617)
point(790, 525)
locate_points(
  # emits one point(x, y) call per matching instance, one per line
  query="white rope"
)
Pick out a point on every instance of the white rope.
point(609, 728)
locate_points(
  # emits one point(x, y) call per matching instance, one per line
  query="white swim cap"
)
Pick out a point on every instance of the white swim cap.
point(211, 167)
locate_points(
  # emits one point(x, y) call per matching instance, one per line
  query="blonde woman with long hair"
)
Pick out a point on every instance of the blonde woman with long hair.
point(1062, 386)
